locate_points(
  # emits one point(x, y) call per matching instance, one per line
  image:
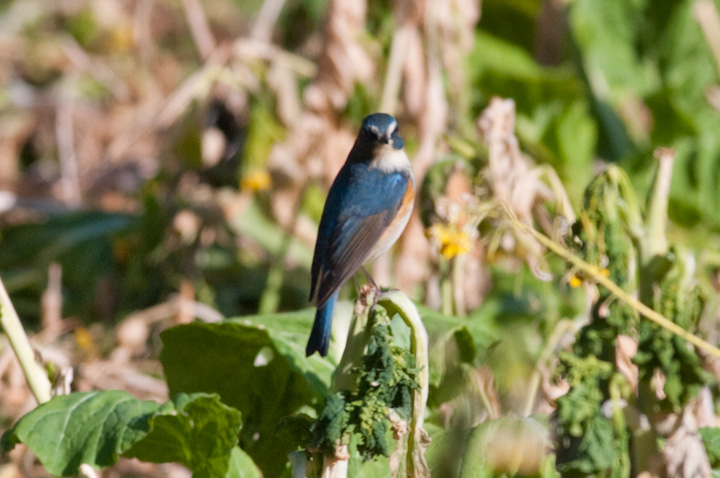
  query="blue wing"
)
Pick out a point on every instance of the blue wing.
point(361, 204)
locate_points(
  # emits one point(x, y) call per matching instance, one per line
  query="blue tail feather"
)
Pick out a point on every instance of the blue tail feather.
point(320, 336)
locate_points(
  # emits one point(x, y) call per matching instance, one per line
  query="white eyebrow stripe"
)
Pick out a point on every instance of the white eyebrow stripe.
point(391, 129)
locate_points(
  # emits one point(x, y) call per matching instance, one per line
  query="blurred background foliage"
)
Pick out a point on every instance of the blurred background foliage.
point(172, 158)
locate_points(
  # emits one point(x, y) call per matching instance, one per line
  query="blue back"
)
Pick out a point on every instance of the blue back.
point(361, 203)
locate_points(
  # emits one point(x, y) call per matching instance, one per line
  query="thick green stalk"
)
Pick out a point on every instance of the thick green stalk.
point(34, 373)
point(656, 222)
point(358, 337)
point(397, 302)
point(653, 244)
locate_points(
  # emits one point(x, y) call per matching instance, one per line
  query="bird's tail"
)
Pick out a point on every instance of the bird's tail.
point(320, 335)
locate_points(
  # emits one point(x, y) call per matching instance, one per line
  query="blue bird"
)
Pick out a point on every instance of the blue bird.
point(367, 208)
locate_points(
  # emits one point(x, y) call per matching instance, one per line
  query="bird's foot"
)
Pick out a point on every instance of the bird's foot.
point(364, 291)
point(377, 294)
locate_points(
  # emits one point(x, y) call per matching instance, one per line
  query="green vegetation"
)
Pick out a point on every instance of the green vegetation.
point(163, 169)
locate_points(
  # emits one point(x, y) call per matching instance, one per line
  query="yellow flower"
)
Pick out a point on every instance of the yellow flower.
point(256, 181)
point(122, 38)
point(575, 281)
point(85, 341)
point(450, 240)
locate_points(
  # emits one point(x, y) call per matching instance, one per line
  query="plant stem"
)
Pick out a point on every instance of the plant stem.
point(397, 302)
point(599, 278)
point(457, 271)
point(656, 222)
point(270, 298)
point(620, 424)
point(491, 411)
point(653, 244)
point(446, 291)
point(358, 336)
point(345, 377)
point(560, 329)
point(398, 55)
point(35, 375)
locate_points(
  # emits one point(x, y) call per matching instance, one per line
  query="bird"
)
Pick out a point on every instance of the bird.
point(366, 210)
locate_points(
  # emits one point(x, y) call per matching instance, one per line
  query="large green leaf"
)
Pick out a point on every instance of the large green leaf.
point(498, 67)
point(257, 365)
point(648, 69)
point(198, 431)
point(685, 119)
point(95, 428)
point(607, 33)
point(457, 345)
point(81, 242)
point(82, 428)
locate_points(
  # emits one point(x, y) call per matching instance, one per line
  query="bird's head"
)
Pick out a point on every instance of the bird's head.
point(381, 128)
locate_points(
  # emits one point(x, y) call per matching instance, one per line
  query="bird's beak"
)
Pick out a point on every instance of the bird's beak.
point(396, 141)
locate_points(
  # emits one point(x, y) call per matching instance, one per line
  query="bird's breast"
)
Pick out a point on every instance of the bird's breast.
point(397, 225)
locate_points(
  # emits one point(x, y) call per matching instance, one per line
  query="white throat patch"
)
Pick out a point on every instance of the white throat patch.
point(390, 160)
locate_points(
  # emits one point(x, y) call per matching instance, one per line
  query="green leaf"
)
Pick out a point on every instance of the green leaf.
point(257, 365)
point(263, 132)
point(95, 428)
point(498, 67)
point(481, 332)
point(241, 465)
point(198, 432)
point(607, 33)
point(594, 451)
point(711, 441)
point(81, 242)
point(456, 346)
point(575, 140)
point(254, 223)
point(82, 428)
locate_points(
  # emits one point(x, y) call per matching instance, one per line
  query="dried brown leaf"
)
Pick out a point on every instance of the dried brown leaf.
point(684, 453)
point(625, 350)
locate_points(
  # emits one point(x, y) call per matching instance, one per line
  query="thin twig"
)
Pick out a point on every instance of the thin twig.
point(65, 133)
point(398, 55)
point(171, 308)
point(269, 13)
point(599, 278)
point(94, 67)
point(199, 28)
point(52, 301)
point(246, 48)
point(169, 109)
